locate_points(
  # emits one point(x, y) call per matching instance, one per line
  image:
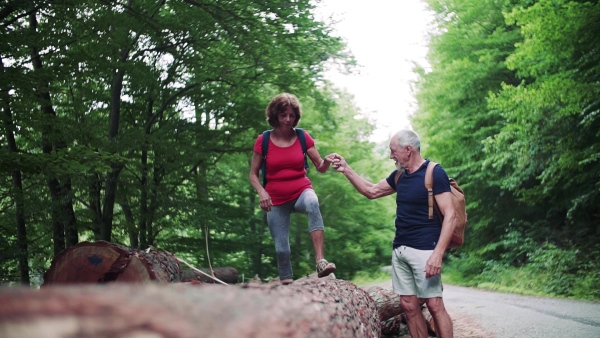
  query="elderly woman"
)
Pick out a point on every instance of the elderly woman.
point(288, 190)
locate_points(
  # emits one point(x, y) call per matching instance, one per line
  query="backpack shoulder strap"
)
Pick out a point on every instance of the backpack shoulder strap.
point(397, 176)
point(429, 187)
point(265, 148)
point(302, 138)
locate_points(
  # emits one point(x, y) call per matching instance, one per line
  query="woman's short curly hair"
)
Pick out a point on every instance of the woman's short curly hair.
point(280, 104)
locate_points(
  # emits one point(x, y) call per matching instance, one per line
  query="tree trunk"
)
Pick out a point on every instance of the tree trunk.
point(20, 220)
point(132, 229)
point(17, 185)
point(394, 326)
point(94, 194)
point(103, 262)
point(311, 308)
point(393, 319)
point(63, 215)
point(68, 213)
point(112, 177)
point(387, 302)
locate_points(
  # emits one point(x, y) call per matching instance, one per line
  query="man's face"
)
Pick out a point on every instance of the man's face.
point(398, 154)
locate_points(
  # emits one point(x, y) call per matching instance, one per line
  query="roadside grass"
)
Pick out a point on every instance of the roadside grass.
point(363, 278)
point(516, 281)
point(526, 281)
point(523, 281)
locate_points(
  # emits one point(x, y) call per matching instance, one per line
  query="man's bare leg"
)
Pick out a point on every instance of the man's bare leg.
point(414, 317)
point(441, 318)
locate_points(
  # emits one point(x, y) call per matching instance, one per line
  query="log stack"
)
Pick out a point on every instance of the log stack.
point(314, 308)
point(154, 302)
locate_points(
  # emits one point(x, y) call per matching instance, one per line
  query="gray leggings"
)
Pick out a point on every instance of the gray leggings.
point(279, 219)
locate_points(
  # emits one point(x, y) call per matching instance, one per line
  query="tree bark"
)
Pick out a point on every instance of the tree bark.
point(391, 313)
point(312, 308)
point(388, 302)
point(394, 326)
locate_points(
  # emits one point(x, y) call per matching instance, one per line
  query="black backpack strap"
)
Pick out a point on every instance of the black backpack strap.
point(302, 138)
point(265, 148)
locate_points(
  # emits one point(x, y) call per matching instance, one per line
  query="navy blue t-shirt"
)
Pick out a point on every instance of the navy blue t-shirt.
point(413, 226)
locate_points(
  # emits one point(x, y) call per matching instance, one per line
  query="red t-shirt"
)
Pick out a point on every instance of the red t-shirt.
point(286, 176)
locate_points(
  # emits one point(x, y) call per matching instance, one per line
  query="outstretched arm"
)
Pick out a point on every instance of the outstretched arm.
point(320, 164)
point(366, 188)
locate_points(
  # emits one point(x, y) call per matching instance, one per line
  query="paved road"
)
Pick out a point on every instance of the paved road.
point(508, 315)
point(503, 315)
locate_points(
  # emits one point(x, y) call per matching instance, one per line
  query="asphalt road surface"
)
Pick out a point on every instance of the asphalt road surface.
point(501, 315)
point(508, 315)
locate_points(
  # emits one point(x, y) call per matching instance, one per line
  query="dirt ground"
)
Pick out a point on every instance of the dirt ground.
point(464, 327)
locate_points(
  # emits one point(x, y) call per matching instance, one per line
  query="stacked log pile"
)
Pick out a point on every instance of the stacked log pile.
point(314, 308)
point(153, 302)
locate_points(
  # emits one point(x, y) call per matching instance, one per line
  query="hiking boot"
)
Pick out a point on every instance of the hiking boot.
point(324, 268)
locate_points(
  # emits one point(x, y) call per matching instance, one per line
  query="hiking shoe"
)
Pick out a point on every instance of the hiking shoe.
point(324, 268)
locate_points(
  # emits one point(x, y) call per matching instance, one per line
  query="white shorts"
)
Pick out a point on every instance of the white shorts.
point(408, 273)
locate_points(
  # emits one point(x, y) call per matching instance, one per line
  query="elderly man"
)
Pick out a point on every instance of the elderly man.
point(420, 242)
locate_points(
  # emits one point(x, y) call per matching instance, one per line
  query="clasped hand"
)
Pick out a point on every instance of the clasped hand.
point(338, 163)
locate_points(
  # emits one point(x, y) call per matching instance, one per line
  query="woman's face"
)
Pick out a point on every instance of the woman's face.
point(286, 118)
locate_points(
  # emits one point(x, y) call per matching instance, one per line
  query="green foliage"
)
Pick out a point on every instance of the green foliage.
point(510, 108)
point(135, 122)
point(563, 264)
point(145, 115)
point(367, 277)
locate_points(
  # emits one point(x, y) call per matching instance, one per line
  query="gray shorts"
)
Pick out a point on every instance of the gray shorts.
point(408, 273)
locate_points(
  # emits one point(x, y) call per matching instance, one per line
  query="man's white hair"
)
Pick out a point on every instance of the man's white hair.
point(406, 137)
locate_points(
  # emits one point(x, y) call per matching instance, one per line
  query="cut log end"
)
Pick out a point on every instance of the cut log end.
point(104, 262)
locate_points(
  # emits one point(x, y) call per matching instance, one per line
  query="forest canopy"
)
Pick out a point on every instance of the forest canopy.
point(133, 122)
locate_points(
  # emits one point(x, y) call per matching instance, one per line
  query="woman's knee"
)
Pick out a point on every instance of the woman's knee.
point(309, 199)
point(312, 206)
point(282, 244)
point(283, 252)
